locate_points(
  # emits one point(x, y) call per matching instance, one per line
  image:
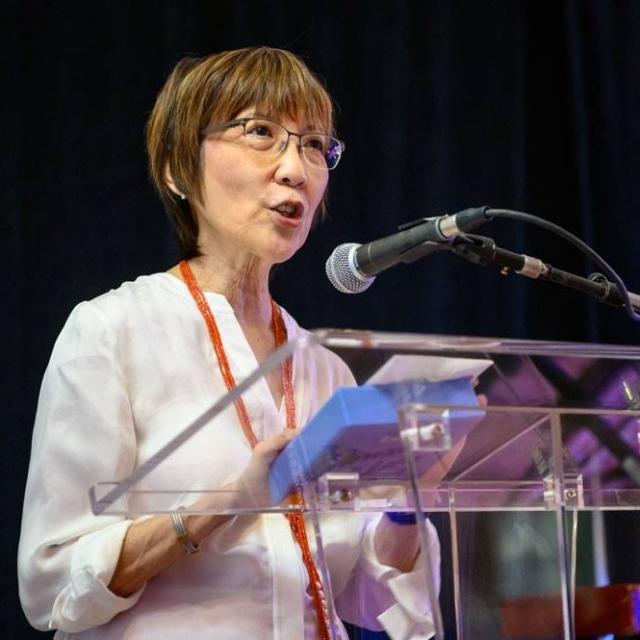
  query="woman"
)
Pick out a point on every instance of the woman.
point(240, 144)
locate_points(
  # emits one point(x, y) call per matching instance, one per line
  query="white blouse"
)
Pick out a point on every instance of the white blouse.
point(128, 371)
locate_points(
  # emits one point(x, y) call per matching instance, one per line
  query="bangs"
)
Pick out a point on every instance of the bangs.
point(277, 84)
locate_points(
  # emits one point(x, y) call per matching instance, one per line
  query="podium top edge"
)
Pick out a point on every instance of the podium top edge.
point(353, 338)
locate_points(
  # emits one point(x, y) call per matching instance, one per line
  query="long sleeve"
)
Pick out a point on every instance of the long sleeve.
point(83, 434)
point(380, 597)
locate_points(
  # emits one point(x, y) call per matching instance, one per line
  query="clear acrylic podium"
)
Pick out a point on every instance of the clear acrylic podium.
point(523, 496)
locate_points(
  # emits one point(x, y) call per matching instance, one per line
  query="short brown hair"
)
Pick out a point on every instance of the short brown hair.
point(216, 88)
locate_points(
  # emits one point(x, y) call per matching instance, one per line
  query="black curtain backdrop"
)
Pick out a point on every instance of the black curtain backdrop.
point(443, 104)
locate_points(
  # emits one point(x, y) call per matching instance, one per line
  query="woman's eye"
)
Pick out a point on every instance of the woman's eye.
point(317, 144)
point(260, 130)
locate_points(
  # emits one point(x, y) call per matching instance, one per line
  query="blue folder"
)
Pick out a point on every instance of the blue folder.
point(356, 430)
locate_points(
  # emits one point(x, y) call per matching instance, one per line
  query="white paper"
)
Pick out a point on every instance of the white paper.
point(404, 368)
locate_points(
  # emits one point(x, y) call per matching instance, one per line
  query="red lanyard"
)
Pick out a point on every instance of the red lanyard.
point(296, 521)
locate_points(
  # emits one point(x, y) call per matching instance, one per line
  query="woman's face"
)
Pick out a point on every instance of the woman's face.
point(249, 197)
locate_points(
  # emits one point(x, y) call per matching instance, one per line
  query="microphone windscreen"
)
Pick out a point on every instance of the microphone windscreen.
point(342, 272)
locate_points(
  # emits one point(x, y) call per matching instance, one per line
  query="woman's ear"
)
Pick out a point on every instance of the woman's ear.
point(168, 178)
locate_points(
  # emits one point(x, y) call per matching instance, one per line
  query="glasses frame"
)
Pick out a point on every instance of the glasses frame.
point(217, 128)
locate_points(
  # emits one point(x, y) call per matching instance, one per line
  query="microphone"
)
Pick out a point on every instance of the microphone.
point(352, 267)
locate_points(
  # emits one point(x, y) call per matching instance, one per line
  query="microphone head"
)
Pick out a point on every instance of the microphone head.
point(342, 271)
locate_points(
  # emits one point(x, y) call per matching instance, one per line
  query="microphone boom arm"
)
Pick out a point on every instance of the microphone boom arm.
point(483, 251)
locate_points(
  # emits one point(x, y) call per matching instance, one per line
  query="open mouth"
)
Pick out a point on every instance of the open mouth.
point(289, 210)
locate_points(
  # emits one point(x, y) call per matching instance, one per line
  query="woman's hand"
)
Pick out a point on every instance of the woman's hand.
point(253, 483)
point(151, 545)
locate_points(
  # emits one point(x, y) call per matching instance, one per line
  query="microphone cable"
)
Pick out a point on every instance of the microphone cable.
point(576, 242)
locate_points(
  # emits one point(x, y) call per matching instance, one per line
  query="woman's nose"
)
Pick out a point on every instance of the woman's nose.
point(292, 167)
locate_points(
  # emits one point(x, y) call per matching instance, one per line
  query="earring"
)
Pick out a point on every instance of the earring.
point(182, 196)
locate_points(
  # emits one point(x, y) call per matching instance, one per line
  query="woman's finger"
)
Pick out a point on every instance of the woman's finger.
point(269, 448)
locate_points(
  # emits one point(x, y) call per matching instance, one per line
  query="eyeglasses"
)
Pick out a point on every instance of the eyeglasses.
point(319, 150)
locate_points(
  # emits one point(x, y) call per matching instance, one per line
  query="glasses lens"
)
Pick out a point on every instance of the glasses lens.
point(321, 150)
point(264, 135)
point(334, 153)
